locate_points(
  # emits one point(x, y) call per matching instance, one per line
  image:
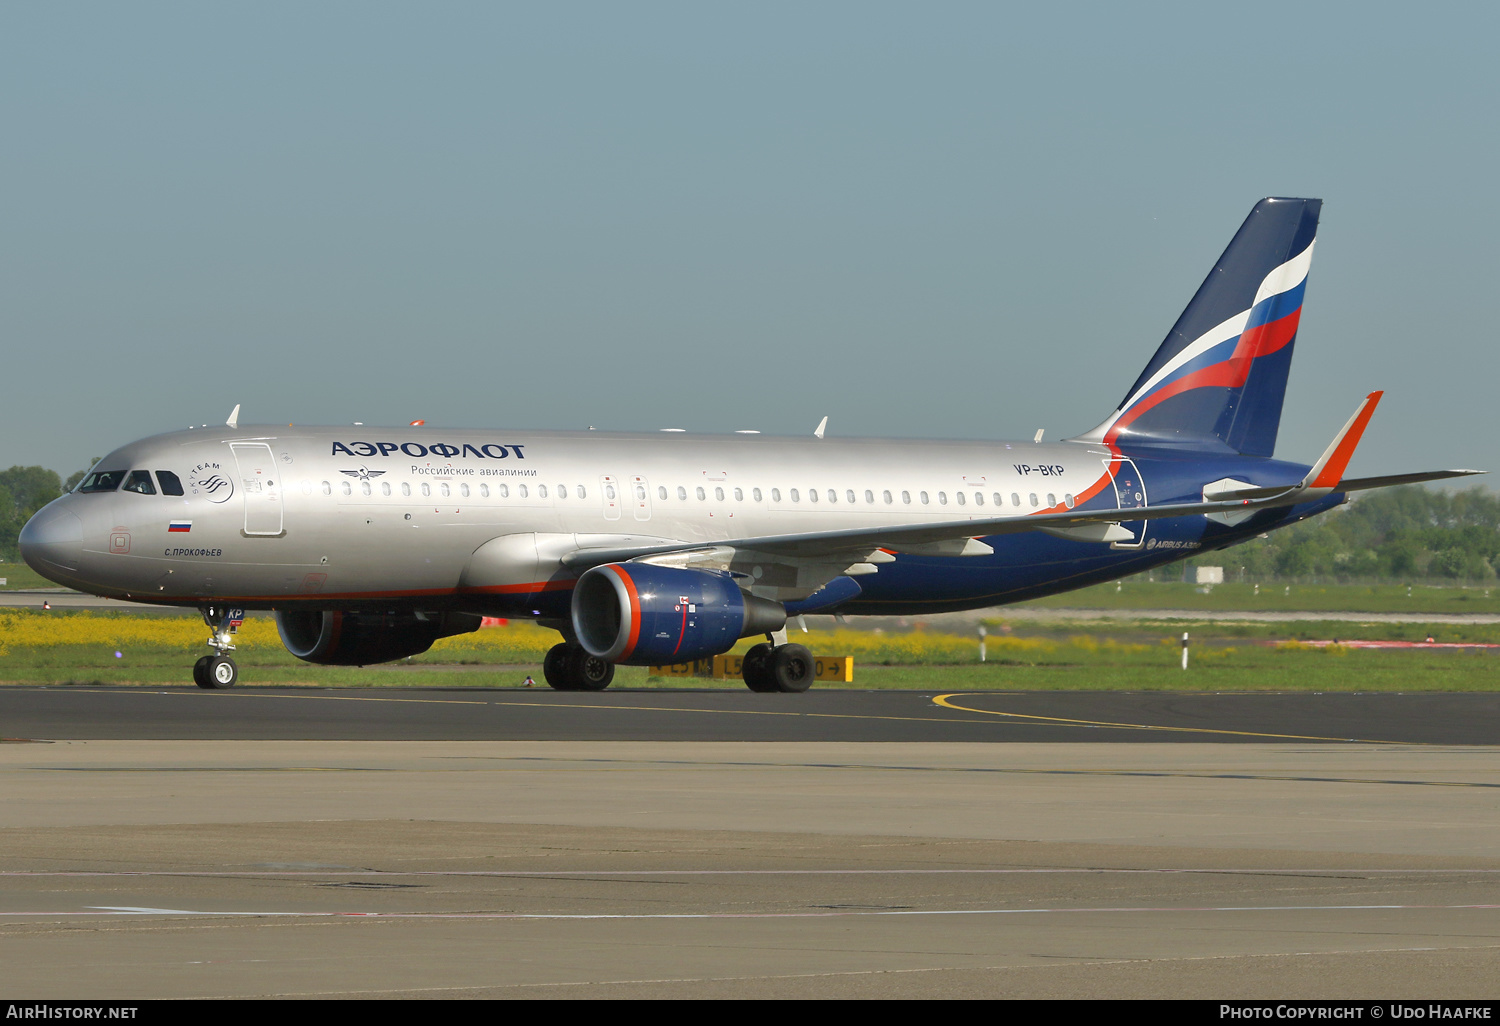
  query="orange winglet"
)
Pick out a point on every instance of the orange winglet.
point(1330, 469)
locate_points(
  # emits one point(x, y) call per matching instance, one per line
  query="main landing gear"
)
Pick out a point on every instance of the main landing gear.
point(769, 667)
point(571, 668)
point(218, 670)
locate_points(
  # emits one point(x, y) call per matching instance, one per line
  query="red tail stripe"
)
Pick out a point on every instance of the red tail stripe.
point(1231, 373)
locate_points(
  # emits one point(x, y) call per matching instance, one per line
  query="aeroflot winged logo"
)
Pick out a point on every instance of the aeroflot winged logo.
point(363, 473)
point(443, 450)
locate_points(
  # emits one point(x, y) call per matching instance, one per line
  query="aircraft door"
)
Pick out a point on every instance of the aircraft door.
point(610, 489)
point(1130, 493)
point(640, 497)
point(260, 480)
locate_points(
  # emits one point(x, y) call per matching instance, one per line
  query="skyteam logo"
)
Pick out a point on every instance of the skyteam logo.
point(212, 482)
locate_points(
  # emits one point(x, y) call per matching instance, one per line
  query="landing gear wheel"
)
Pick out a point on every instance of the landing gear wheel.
point(220, 672)
point(200, 672)
point(753, 669)
point(556, 668)
point(790, 668)
point(589, 672)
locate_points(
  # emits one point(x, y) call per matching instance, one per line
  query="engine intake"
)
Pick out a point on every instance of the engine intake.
point(336, 638)
point(640, 614)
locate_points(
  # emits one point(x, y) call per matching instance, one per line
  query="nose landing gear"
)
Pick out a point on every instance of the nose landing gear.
point(218, 670)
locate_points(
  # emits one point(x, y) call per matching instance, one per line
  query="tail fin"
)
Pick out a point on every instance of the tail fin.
point(1219, 378)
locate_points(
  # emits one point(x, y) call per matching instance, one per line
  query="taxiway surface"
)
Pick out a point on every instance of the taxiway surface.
point(734, 714)
point(165, 843)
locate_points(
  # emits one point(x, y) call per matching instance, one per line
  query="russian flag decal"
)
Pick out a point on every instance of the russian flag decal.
point(182, 526)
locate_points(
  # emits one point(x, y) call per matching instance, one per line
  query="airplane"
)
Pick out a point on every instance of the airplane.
point(372, 543)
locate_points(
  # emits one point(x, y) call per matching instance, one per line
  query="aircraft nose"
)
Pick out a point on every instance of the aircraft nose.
point(52, 541)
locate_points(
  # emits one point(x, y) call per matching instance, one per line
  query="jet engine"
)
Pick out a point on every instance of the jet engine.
point(335, 638)
point(640, 614)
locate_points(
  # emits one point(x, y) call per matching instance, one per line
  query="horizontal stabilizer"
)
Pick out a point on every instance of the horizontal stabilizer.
point(1360, 484)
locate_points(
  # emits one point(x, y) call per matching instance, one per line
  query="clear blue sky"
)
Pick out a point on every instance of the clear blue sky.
point(947, 220)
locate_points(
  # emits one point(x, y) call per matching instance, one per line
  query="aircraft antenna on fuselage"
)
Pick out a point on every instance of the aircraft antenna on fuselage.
point(822, 426)
point(234, 417)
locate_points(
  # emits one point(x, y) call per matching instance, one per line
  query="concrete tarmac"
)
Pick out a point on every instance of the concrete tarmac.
point(223, 868)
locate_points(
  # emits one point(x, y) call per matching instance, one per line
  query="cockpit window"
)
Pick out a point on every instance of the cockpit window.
point(102, 481)
point(170, 483)
point(140, 481)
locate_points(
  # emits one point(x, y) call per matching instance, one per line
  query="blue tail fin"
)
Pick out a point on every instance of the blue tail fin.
point(1218, 380)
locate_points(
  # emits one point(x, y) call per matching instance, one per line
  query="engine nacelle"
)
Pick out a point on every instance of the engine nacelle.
point(642, 615)
point(335, 638)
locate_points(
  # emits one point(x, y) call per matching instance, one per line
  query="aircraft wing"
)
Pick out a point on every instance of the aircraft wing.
point(788, 567)
point(911, 537)
point(793, 566)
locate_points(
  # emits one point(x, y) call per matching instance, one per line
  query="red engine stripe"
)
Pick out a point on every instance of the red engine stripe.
point(635, 610)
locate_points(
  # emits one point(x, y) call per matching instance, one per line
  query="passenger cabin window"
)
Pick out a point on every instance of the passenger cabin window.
point(102, 481)
point(812, 495)
point(1068, 501)
point(364, 486)
point(520, 491)
point(906, 498)
point(347, 489)
point(385, 488)
point(681, 494)
point(484, 491)
point(426, 488)
point(870, 497)
point(171, 484)
point(775, 494)
point(562, 491)
point(1033, 499)
point(1015, 498)
point(327, 488)
point(443, 490)
point(581, 493)
point(1051, 499)
point(979, 498)
point(739, 495)
point(505, 491)
point(754, 494)
point(463, 490)
point(886, 497)
point(541, 491)
point(700, 493)
point(998, 500)
point(140, 481)
point(923, 497)
point(405, 487)
point(943, 498)
point(960, 497)
point(718, 494)
point(661, 492)
point(793, 494)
